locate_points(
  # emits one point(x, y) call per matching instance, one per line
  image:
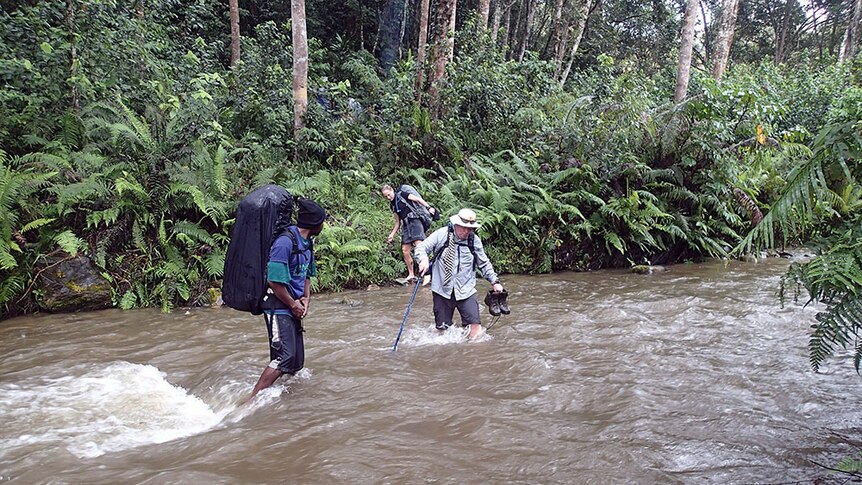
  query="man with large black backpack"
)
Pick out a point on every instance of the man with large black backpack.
point(277, 285)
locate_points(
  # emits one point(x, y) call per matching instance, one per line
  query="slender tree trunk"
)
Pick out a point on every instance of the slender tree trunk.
point(525, 33)
point(234, 32)
point(451, 35)
point(557, 29)
point(514, 35)
point(390, 33)
point(724, 40)
point(507, 24)
point(300, 65)
point(73, 56)
point(685, 49)
point(781, 41)
point(361, 28)
point(484, 11)
point(495, 23)
point(560, 52)
point(420, 49)
point(580, 27)
point(442, 45)
point(851, 35)
point(707, 45)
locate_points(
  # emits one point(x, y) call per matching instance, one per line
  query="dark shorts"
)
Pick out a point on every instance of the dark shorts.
point(412, 230)
point(286, 347)
point(444, 310)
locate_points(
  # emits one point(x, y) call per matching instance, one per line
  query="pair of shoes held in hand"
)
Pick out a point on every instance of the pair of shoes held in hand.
point(497, 302)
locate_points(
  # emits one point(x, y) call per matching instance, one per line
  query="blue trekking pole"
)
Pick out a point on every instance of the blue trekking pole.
point(418, 281)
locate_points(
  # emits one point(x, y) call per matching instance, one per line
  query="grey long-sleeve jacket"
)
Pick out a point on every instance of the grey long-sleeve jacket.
point(463, 277)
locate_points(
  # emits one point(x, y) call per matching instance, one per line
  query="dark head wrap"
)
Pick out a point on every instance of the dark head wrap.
point(310, 215)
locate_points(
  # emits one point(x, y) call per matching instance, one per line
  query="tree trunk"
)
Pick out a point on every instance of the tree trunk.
point(391, 33)
point(707, 45)
point(781, 40)
point(300, 65)
point(495, 23)
point(557, 29)
point(724, 40)
point(525, 32)
point(234, 32)
point(484, 11)
point(73, 56)
point(507, 24)
point(686, 46)
point(514, 35)
point(442, 45)
point(420, 50)
point(851, 36)
point(139, 9)
point(580, 27)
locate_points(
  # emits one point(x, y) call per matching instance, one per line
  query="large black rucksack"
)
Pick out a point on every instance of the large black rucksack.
point(261, 216)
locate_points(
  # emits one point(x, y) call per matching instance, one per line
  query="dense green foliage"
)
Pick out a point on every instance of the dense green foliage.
point(143, 175)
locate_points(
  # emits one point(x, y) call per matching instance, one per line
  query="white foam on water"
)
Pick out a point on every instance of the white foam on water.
point(116, 407)
point(422, 336)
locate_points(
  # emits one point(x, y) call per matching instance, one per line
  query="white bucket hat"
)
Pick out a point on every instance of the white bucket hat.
point(464, 218)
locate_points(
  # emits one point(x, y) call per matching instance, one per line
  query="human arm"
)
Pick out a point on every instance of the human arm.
point(394, 228)
point(429, 246)
point(418, 199)
point(305, 300)
point(483, 263)
point(282, 293)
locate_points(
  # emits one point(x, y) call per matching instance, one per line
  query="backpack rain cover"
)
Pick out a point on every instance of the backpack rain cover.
point(260, 217)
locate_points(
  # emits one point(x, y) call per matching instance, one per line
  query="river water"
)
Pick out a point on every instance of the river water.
point(608, 377)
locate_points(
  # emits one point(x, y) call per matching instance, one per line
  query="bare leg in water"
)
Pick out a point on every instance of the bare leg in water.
point(475, 331)
point(267, 378)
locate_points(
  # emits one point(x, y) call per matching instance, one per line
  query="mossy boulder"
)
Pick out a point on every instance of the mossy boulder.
point(72, 284)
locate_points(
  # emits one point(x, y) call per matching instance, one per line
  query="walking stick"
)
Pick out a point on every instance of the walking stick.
point(409, 305)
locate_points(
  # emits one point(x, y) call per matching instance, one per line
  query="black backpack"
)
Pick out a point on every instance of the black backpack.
point(261, 216)
point(471, 245)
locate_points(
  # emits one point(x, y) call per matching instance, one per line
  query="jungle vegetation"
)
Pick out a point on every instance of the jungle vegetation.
point(587, 134)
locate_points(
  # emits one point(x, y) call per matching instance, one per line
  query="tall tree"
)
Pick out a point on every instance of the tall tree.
point(851, 35)
point(685, 49)
point(724, 39)
point(525, 31)
point(391, 32)
point(484, 11)
point(420, 50)
point(73, 55)
point(442, 45)
point(578, 34)
point(234, 32)
point(557, 28)
point(300, 65)
point(782, 39)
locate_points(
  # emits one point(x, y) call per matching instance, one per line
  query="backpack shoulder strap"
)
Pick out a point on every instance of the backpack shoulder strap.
point(471, 243)
point(440, 251)
point(295, 251)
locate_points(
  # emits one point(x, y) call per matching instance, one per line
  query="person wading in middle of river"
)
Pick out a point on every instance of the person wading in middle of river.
point(457, 251)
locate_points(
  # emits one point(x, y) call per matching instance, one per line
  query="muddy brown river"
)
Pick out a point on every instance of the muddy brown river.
point(695, 375)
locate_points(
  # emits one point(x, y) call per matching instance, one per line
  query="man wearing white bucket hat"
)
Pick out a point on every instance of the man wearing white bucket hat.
point(457, 252)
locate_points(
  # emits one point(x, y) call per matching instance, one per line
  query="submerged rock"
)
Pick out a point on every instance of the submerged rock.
point(647, 269)
point(73, 284)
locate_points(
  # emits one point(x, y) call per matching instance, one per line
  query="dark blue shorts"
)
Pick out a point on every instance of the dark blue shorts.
point(286, 347)
point(444, 310)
